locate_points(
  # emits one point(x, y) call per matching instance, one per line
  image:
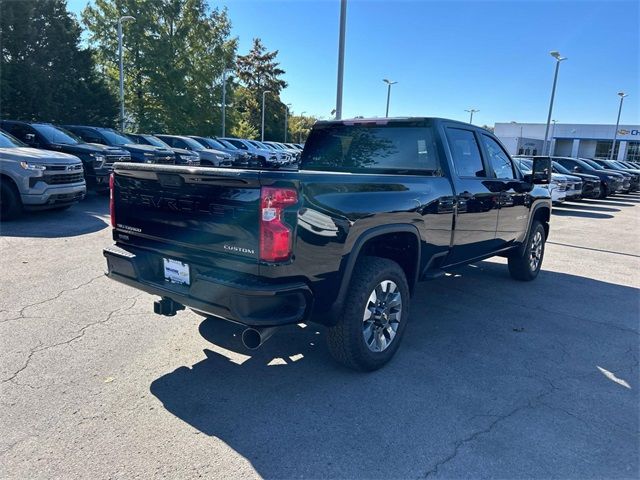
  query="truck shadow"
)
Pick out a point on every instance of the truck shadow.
point(291, 411)
point(567, 211)
point(87, 216)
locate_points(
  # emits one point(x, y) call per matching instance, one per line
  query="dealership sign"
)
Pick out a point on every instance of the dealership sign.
point(624, 131)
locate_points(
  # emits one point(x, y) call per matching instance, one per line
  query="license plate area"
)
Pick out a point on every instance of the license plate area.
point(176, 272)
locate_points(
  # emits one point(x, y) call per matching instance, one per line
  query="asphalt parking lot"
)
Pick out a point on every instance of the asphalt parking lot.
point(495, 378)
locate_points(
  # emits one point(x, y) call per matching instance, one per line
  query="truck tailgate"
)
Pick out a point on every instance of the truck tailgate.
point(200, 210)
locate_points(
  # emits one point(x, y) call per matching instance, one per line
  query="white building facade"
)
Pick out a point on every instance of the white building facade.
point(571, 140)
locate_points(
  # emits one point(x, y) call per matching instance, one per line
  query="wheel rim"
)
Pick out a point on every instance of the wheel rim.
point(382, 315)
point(535, 255)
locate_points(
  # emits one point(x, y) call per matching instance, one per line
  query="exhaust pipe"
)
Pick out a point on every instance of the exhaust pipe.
point(253, 338)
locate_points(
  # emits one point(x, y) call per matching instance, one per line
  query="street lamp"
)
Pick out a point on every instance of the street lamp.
point(553, 133)
point(286, 121)
point(615, 134)
point(389, 83)
point(302, 123)
point(224, 98)
point(559, 58)
point(263, 96)
point(471, 112)
point(343, 27)
point(121, 20)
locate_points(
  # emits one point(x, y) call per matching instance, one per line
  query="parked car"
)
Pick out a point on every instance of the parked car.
point(183, 157)
point(633, 174)
point(590, 183)
point(113, 138)
point(97, 160)
point(293, 153)
point(33, 179)
point(626, 177)
point(208, 156)
point(558, 185)
point(610, 182)
point(283, 158)
point(265, 155)
point(385, 204)
point(239, 158)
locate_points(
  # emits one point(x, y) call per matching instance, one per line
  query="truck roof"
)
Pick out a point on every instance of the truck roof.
point(386, 120)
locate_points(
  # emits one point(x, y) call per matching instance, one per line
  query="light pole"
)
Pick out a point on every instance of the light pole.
point(302, 123)
point(558, 58)
point(263, 96)
point(286, 121)
point(343, 26)
point(389, 83)
point(553, 132)
point(615, 134)
point(224, 98)
point(121, 20)
point(471, 112)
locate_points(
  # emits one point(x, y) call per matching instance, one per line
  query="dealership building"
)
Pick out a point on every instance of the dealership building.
point(571, 140)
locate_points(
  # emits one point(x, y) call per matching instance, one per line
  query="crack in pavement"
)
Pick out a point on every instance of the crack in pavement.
point(39, 348)
point(458, 444)
point(55, 297)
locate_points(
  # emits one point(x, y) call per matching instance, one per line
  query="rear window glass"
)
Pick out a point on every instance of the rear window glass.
point(371, 149)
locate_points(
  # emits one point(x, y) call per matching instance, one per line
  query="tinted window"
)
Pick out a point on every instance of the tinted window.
point(524, 164)
point(151, 140)
point(227, 144)
point(371, 148)
point(498, 158)
point(7, 141)
point(114, 138)
point(466, 154)
point(560, 169)
point(56, 135)
point(238, 144)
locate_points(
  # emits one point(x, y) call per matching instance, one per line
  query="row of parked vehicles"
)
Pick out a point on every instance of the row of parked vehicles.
point(576, 178)
point(46, 166)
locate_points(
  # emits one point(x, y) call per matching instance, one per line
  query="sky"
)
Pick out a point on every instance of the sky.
point(451, 56)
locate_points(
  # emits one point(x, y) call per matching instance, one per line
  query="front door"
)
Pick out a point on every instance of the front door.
point(513, 215)
point(476, 205)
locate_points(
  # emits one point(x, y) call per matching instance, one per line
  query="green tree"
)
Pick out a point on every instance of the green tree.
point(258, 71)
point(175, 53)
point(44, 74)
point(299, 127)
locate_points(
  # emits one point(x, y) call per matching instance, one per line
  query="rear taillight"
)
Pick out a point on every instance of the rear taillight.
point(112, 210)
point(275, 234)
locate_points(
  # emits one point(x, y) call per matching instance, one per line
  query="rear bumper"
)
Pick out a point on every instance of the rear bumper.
point(246, 300)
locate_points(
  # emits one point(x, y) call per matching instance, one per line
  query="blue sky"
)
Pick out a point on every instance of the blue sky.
point(448, 56)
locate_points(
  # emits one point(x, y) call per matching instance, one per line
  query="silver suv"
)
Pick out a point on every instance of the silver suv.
point(32, 179)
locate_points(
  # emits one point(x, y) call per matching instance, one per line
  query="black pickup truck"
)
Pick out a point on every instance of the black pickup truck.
point(376, 206)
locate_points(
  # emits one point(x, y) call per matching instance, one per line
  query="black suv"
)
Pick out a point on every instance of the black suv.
point(97, 160)
point(183, 156)
point(109, 136)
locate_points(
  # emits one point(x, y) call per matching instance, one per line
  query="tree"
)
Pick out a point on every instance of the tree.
point(258, 71)
point(299, 127)
point(44, 74)
point(175, 53)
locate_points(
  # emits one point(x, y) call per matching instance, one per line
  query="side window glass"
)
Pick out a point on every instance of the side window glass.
point(466, 153)
point(498, 158)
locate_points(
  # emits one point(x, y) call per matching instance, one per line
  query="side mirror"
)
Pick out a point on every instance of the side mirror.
point(541, 171)
point(30, 139)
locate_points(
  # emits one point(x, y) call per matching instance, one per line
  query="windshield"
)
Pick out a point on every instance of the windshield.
point(227, 144)
point(193, 144)
point(393, 148)
point(524, 164)
point(156, 142)
point(259, 145)
point(8, 141)
point(591, 163)
point(560, 169)
point(56, 135)
point(238, 144)
point(211, 143)
point(114, 137)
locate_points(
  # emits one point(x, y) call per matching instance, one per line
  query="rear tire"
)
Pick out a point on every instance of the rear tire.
point(10, 203)
point(526, 261)
point(373, 320)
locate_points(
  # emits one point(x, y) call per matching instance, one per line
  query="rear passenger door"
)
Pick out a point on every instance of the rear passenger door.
point(476, 205)
point(513, 215)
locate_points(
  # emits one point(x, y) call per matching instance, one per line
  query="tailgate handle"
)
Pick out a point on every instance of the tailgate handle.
point(170, 180)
